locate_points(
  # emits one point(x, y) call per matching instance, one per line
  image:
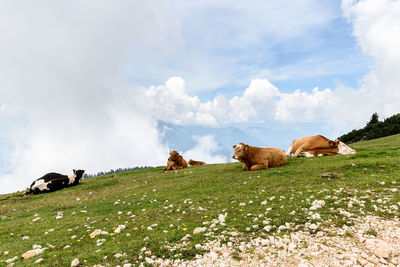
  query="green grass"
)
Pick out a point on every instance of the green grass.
point(178, 202)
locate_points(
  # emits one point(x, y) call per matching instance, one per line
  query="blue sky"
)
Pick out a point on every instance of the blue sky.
point(227, 46)
point(116, 84)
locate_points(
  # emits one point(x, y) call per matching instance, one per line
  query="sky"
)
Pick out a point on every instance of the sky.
point(101, 85)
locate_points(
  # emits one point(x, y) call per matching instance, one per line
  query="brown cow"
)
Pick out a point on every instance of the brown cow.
point(317, 145)
point(257, 158)
point(175, 161)
point(195, 162)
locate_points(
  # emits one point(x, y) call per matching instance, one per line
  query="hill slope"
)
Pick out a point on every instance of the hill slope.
point(158, 209)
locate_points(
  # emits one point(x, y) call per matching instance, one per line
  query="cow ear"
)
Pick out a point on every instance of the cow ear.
point(246, 148)
point(234, 146)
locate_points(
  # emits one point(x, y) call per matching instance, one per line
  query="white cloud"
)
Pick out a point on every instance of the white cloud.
point(304, 106)
point(172, 103)
point(204, 150)
point(376, 25)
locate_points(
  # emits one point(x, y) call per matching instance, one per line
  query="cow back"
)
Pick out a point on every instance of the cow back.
point(275, 156)
point(195, 162)
point(309, 143)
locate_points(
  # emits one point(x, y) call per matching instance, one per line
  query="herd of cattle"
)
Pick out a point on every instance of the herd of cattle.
point(253, 158)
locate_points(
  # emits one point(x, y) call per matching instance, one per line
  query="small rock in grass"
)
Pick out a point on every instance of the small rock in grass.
point(379, 247)
point(221, 218)
point(316, 216)
point(33, 252)
point(25, 237)
point(317, 204)
point(39, 260)
point(119, 229)
point(75, 262)
point(149, 261)
point(291, 246)
point(199, 230)
point(95, 233)
point(267, 228)
point(331, 175)
point(313, 226)
point(12, 259)
point(186, 237)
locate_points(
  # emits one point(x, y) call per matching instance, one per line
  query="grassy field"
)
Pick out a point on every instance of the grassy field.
point(159, 208)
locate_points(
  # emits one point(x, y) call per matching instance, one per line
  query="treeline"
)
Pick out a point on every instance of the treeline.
point(374, 129)
point(115, 171)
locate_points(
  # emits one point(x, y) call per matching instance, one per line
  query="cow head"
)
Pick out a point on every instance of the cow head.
point(344, 149)
point(333, 143)
point(79, 173)
point(241, 151)
point(173, 156)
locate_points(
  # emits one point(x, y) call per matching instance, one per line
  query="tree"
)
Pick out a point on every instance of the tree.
point(374, 129)
point(374, 119)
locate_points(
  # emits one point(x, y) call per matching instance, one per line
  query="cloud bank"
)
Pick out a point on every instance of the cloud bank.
point(205, 150)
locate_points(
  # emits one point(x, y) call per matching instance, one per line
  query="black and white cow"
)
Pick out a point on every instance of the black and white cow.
point(55, 181)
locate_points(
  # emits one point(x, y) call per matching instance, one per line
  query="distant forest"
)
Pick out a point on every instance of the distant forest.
point(115, 171)
point(374, 129)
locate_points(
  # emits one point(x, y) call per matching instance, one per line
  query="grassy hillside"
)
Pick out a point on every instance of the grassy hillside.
point(159, 209)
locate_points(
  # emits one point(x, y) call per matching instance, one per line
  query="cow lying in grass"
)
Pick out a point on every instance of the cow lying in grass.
point(195, 162)
point(318, 145)
point(55, 181)
point(175, 161)
point(257, 158)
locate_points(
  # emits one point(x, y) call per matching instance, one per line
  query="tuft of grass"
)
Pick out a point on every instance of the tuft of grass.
point(371, 232)
point(348, 234)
